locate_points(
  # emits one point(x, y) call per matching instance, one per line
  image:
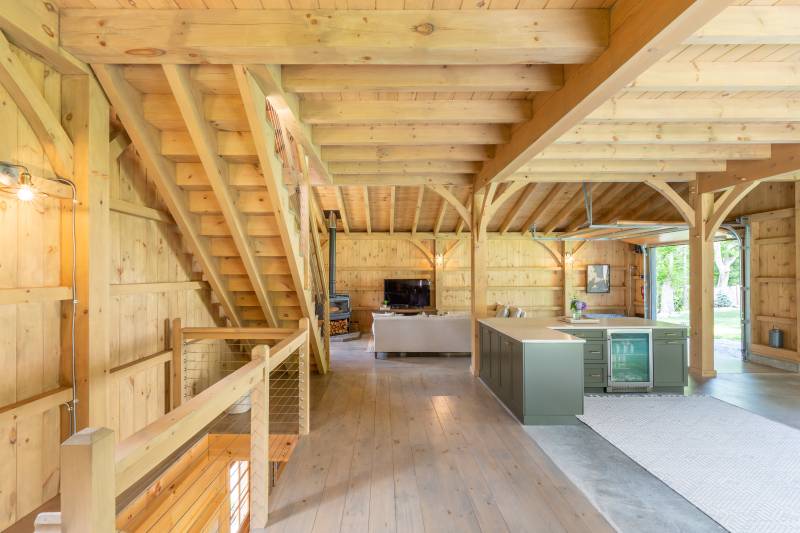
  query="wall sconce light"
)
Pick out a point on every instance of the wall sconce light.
point(568, 258)
point(439, 259)
point(17, 180)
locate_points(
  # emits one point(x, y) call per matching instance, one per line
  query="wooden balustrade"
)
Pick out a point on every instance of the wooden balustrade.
point(95, 472)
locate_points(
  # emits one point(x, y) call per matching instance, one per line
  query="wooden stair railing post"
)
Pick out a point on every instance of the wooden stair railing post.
point(87, 482)
point(259, 445)
point(177, 382)
point(303, 385)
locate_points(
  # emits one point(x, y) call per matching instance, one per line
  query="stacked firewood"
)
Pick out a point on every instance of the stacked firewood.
point(339, 327)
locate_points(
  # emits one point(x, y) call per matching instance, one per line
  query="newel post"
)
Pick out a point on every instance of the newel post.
point(87, 482)
point(303, 385)
point(259, 444)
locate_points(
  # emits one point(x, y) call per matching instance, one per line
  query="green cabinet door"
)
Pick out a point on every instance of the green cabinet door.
point(669, 363)
point(486, 354)
point(506, 370)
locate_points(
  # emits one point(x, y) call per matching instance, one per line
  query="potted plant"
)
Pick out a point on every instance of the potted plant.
point(577, 307)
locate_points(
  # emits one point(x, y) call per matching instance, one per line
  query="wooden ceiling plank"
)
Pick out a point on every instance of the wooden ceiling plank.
point(404, 167)
point(392, 198)
point(572, 204)
point(657, 151)
point(190, 103)
point(605, 178)
point(287, 105)
point(597, 201)
point(127, 103)
point(615, 166)
point(785, 160)
point(642, 33)
point(461, 180)
point(413, 37)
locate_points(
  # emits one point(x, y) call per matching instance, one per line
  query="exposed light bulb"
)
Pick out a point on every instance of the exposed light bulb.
point(25, 193)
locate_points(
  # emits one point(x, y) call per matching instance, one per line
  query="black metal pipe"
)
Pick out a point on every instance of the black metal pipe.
point(332, 252)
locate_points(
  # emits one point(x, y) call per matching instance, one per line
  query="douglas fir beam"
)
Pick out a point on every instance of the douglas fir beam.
point(704, 110)
point(55, 142)
point(342, 210)
point(684, 133)
point(127, 103)
point(366, 209)
point(264, 137)
point(417, 210)
point(414, 37)
point(641, 33)
point(701, 293)
point(451, 199)
point(85, 113)
point(440, 217)
point(190, 103)
point(287, 105)
point(422, 78)
point(785, 160)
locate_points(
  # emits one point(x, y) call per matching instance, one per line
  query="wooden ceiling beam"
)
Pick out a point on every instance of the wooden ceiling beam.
point(671, 195)
point(684, 133)
point(406, 153)
point(415, 134)
point(705, 110)
point(417, 210)
point(624, 166)
point(127, 103)
point(190, 103)
point(573, 203)
point(785, 160)
point(454, 202)
point(722, 76)
point(753, 24)
point(658, 151)
point(518, 205)
point(461, 221)
point(407, 111)
point(539, 209)
point(440, 216)
point(577, 177)
point(287, 105)
point(408, 180)
point(366, 209)
point(641, 33)
point(46, 124)
point(405, 167)
point(342, 210)
point(422, 78)
point(413, 37)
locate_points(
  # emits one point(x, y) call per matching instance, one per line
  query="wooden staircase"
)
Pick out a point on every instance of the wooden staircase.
point(218, 155)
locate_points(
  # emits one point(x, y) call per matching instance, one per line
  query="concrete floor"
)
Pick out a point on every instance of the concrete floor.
point(631, 498)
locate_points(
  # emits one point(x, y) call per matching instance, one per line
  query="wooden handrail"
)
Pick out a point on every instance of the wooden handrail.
point(34, 405)
point(281, 351)
point(145, 449)
point(237, 333)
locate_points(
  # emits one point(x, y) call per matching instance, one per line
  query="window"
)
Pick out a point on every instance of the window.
point(239, 487)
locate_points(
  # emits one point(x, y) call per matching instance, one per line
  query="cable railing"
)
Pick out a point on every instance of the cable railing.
point(96, 471)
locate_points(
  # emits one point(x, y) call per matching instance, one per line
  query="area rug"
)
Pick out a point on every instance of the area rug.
point(739, 468)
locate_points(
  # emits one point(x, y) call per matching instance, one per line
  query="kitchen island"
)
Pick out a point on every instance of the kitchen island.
point(541, 368)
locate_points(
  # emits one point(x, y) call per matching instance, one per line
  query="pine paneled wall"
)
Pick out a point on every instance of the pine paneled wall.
point(30, 352)
point(521, 272)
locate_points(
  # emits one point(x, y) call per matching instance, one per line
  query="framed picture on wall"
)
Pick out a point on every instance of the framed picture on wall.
point(598, 279)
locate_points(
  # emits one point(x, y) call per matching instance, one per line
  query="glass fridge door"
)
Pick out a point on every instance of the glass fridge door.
point(629, 357)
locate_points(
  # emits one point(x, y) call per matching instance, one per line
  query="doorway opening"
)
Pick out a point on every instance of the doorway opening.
point(669, 296)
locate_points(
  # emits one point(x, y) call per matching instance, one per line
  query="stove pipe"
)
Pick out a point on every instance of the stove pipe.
point(332, 252)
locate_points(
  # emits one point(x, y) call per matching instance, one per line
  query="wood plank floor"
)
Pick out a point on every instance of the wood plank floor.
point(417, 444)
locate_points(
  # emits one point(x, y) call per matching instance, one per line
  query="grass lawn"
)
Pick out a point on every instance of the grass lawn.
point(727, 322)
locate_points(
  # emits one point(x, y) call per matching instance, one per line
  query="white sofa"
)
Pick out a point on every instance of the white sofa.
point(422, 333)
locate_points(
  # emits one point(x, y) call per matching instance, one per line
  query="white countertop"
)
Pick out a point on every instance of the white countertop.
point(544, 329)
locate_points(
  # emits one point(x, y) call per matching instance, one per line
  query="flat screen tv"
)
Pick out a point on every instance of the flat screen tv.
point(407, 292)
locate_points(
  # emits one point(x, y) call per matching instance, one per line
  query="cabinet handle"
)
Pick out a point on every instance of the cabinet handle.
point(674, 342)
point(595, 352)
point(595, 375)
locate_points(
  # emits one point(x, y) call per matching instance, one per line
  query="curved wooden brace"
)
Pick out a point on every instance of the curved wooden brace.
point(490, 209)
point(725, 204)
point(424, 249)
point(686, 211)
point(450, 198)
point(45, 124)
point(557, 257)
point(119, 144)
